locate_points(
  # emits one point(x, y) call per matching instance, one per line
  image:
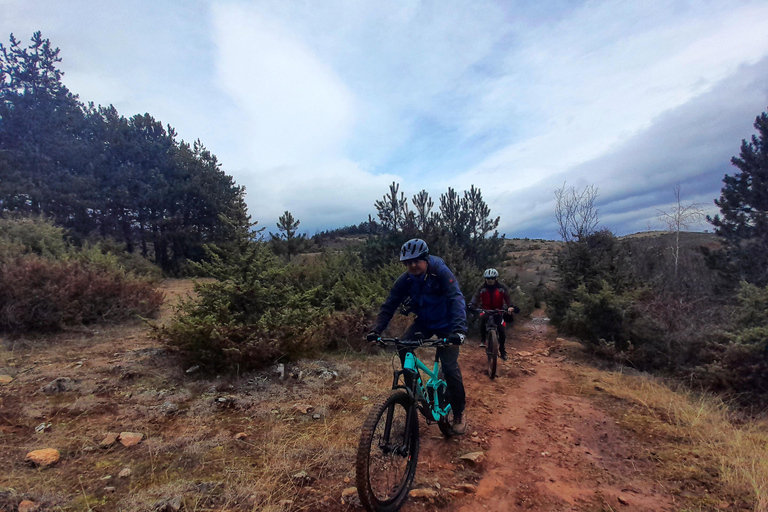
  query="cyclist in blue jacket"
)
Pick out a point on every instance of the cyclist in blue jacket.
point(430, 290)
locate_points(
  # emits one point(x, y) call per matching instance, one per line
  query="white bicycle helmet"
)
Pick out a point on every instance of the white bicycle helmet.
point(491, 273)
point(414, 249)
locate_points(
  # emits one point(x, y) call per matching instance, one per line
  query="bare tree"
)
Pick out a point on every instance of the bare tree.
point(679, 218)
point(576, 212)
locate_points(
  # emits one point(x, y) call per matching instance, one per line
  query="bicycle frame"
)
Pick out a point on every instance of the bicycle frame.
point(428, 392)
point(423, 393)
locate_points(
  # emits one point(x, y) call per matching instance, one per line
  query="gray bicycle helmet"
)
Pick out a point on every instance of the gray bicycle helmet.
point(491, 273)
point(415, 248)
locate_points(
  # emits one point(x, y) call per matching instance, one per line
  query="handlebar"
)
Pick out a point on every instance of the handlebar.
point(489, 311)
point(431, 342)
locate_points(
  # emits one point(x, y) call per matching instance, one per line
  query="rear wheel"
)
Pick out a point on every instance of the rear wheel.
point(492, 351)
point(387, 453)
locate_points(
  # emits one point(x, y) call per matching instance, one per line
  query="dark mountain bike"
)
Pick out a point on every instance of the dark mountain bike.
point(495, 319)
point(389, 444)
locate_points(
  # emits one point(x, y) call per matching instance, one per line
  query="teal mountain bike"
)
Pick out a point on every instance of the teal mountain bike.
point(389, 444)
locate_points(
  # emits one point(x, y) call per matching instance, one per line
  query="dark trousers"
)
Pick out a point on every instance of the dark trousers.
point(449, 361)
point(499, 328)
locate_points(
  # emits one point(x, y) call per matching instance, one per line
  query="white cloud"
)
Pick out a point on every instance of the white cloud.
point(299, 111)
point(317, 106)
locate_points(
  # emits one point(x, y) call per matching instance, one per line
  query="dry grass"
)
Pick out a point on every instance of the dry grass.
point(696, 437)
point(191, 456)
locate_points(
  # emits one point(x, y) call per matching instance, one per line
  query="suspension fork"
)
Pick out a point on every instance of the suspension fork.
point(410, 417)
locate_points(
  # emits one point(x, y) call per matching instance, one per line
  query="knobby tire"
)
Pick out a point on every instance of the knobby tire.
point(492, 351)
point(385, 468)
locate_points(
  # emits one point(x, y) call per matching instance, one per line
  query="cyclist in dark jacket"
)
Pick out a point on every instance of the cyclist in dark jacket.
point(429, 289)
point(493, 295)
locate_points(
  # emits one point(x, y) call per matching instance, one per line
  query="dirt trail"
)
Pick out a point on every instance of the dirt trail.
point(546, 448)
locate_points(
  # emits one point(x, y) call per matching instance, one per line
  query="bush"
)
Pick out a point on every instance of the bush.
point(39, 294)
point(32, 235)
point(47, 284)
point(262, 308)
point(740, 362)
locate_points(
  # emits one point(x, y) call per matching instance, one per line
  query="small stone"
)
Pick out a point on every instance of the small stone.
point(423, 494)
point(109, 489)
point(279, 369)
point(473, 457)
point(169, 408)
point(59, 385)
point(301, 477)
point(349, 497)
point(43, 458)
point(328, 375)
point(109, 439)
point(316, 416)
point(240, 436)
point(124, 473)
point(467, 488)
point(28, 506)
point(129, 439)
point(6, 379)
point(545, 454)
point(43, 427)
point(523, 353)
point(623, 500)
point(192, 369)
point(169, 504)
point(303, 408)
point(347, 479)
point(107, 477)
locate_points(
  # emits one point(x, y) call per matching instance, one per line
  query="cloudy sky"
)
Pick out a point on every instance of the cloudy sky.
point(317, 106)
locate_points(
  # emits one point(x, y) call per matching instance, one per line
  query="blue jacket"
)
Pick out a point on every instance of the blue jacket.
point(435, 297)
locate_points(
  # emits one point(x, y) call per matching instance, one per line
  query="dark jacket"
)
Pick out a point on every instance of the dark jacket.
point(434, 297)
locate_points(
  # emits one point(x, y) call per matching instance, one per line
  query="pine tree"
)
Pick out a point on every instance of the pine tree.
point(743, 203)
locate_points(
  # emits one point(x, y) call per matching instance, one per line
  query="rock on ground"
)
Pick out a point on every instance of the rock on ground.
point(129, 439)
point(43, 458)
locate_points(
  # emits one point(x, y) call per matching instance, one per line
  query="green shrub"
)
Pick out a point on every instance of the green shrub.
point(740, 364)
point(602, 315)
point(261, 308)
point(32, 235)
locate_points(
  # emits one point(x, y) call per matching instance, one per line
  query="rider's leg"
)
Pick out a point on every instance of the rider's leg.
point(449, 359)
point(483, 322)
point(502, 339)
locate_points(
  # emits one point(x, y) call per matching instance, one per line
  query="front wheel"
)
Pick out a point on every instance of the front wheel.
point(388, 453)
point(492, 351)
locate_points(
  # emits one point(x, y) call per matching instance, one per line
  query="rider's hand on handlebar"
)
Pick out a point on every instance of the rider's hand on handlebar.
point(373, 337)
point(456, 338)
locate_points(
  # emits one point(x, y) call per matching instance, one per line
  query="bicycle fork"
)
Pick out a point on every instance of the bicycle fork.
point(409, 370)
